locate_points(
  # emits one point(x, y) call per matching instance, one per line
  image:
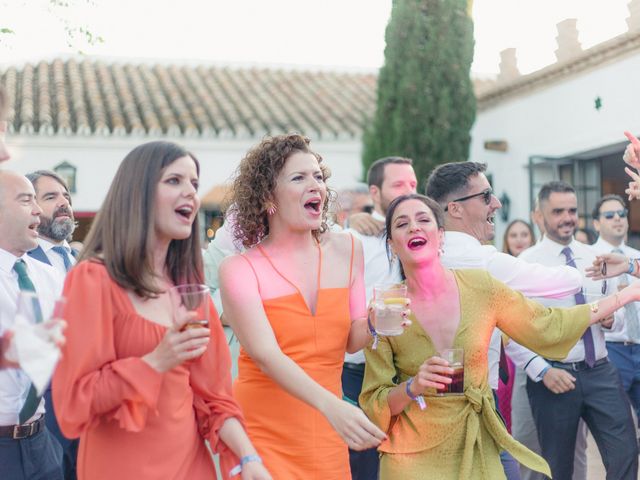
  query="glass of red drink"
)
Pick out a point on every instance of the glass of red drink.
point(455, 357)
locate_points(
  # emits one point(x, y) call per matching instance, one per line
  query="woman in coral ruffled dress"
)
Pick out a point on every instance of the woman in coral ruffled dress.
point(142, 393)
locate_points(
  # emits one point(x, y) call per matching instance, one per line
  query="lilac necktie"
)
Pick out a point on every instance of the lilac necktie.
point(587, 337)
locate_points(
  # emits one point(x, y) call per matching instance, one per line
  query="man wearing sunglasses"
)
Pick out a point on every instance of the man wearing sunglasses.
point(610, 220)
point(463, 191)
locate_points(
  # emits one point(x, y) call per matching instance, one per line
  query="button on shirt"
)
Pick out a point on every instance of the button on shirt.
point(378, 270)
point(14, 383)
point(618, 332)
point(531, 279)
point(56, 260)
point(549, 253)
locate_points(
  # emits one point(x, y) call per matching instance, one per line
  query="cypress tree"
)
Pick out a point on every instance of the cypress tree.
point(426, 104)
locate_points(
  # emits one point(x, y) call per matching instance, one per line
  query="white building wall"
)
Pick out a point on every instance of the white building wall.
point(97, 160)
point(557, 120)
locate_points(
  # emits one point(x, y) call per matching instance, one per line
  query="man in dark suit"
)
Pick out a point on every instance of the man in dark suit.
point(57, 224)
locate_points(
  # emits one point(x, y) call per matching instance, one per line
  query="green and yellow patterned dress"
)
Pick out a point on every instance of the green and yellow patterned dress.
point(460, 437)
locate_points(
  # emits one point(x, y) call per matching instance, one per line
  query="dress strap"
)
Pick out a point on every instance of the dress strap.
point(352, 255)
point(243, 255)
point(265, 255)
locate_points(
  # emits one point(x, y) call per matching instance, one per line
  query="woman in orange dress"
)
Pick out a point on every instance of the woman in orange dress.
point(142, 393)
point(291, 298)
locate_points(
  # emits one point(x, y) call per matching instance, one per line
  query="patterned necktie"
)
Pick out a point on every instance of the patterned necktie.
point(632, 325)
point(65, 257)
point(587, 337)
point(26, 285)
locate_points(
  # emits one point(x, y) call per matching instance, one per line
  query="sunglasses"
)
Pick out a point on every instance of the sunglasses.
point(485, 194)
point(612, 213)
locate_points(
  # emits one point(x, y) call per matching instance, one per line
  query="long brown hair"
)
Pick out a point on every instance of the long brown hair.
point(505, 242)
point(120, 235)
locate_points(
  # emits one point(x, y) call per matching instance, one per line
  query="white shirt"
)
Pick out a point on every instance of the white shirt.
point(618, 331)
point(54, 257)
point(550, 253)
point(378, 270)
point(464, 251)
point(14, 383)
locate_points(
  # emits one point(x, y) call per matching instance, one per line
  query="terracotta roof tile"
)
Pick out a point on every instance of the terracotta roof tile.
point(84, 97)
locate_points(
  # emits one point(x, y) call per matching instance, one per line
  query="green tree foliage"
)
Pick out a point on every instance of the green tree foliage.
point(426, 104)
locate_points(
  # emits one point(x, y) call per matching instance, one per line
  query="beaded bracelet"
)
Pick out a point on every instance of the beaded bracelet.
point(244, 460)
point(417, 398)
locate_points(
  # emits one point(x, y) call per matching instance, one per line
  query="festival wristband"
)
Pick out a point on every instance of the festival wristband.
point(373, 332)
point(417, 398)
point(244, 460)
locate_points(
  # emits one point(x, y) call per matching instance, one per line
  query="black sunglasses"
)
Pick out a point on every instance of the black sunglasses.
point(486, 196)
point(612, 213)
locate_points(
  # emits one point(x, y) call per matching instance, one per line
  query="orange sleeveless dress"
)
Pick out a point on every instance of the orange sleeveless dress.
point(295, 440)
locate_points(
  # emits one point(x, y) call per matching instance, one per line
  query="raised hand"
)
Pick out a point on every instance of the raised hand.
point(435, 372)
point(632, 152)
point(365, 224)
point(617, 264)
point(179, 346)
point(353, 425)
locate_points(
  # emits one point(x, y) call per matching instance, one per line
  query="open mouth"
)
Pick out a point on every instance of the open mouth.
point(313, 205)
point(416, 243)
point(34, 226)
point(491, 219)
point(185, 212)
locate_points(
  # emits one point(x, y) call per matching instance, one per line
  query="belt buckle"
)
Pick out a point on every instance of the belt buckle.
point(16, 431)
point(575, 366)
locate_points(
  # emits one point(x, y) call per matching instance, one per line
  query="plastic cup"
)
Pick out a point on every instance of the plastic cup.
point(455, 357)
point(192, 298)
point(389, 302)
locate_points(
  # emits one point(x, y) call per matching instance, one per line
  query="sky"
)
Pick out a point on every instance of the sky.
point(343, 34)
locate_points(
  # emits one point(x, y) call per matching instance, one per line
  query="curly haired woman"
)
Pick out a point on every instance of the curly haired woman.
point(296, 300)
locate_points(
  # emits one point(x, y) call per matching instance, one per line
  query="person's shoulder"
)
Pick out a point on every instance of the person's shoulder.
point(472, 275)
point(530, 252)
point(632, 252)
point(90, 269)
point(340, 242)
point(43, 269)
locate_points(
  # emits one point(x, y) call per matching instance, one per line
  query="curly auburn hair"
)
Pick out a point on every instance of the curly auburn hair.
point(255, 181)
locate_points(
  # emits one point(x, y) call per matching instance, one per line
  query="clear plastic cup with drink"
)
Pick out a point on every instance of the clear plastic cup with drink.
point(191, 298)
point(455, 357)
point(389, 303)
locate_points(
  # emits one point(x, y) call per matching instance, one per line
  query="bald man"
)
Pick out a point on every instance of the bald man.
point(28, 451)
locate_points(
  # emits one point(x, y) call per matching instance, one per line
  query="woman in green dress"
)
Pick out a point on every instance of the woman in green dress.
point(455, 437)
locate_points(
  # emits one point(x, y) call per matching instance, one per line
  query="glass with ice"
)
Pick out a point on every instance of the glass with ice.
point(389, 303)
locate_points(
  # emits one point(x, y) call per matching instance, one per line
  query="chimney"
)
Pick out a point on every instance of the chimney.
point(633, 21)
point(568, 43)
point(508, 65)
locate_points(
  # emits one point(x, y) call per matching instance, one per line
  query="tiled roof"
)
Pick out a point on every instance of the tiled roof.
point(98, 98)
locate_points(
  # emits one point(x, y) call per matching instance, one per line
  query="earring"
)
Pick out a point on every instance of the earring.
point(271, 209)
point(440, 251)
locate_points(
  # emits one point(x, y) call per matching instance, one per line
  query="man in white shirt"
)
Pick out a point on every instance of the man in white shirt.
point(57, 224)
point(27, 449)
point(388, 178)
point(590, 387)
point(465, 194)
point(610, 220)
